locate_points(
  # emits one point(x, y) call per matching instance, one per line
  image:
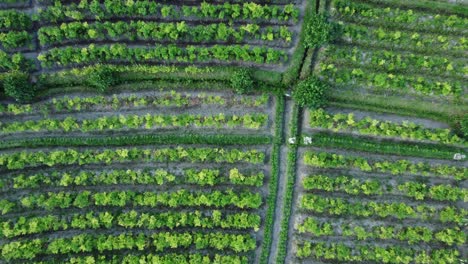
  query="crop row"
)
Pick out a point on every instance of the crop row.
point(421, 43)
point(396, 17)
point(15, 61)
point(20, 160)
point(396, 62)
point(130, 219)
point(171, 98)
point(369, 126)
point(388, 81)
point(169, 258)
point(201, 177)
point(416, 190)
point(29, 249)
point(331, 160)
point(378, 254)
point(410, 234)
point(15, 39)
point(341, 206)
point(148, 121)
point(385, 146)
point(121, 52)
point(154, 31)
point(146, 8)
point(180, 198)
point(14, 20)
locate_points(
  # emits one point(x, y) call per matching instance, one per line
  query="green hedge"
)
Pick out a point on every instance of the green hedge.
point(138, 140)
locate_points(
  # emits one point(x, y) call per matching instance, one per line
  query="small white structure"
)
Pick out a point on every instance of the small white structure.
point(307, 140)
point(459, 156)
point(287, 94)
point(292, 140)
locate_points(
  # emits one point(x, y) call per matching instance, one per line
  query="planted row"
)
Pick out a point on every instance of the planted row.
point(369, 126)
point(15, 39)
point(77, 104)
point(340, 206)
point(15, 61)
point(422, 43)
point(170, 258)
point(145, 8)
point(29, 249)
point(121, 52)
point(20, 160)
point(390, 254)
point(148, 121)
point(331, 160)
point(131, 219)
point(393, 61)
point(180, 198)
point(401, 18)
point(416, 190)
point(154, 31)
point(388, 81)
point(410, 234)
point(202, 177)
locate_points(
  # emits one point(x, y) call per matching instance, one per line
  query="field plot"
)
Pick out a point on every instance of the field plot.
point(374, 190)
point(178, 180)
point(410, 51)
point(51, 35)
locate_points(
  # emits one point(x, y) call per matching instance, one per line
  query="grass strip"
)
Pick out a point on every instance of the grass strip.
point(367, 144)
point(165, 139)
point(273, 183)
point(291, 178)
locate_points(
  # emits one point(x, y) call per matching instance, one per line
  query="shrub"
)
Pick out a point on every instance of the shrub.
point(317, 31)
point(310, 93)
point(463, 123)
point(101, 78)
point(242, 81)
point(16, 84)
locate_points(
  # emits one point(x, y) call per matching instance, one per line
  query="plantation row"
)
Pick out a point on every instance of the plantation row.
point(145, 8)
point(409, 234)
point(343, 207)
point(169, 53)
point(16, 61)
point(390, 81)
point(170, 258)
point(392, 61)
point(399, 167)
point(395, 17)
point(416, 190)
point(131, 219)
point(210, 177)
point(368, 126)
point(22, 159)
point(153, 31)
point(379, 254)
point(166, 99)
point(115, 123)
point(422, 43)
point(180, 198)
point(15, 39)
point(29, 249)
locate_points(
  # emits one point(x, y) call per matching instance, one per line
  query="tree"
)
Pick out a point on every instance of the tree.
point(317, 31)
point(311, 93)
point(101, 77)
point(16, 84)
point(242, 81)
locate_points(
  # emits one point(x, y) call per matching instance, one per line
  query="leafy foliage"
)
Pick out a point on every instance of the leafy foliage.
point(311, 93)
point(317, 31)
point(17, 85)
point(102, 78)
point(242, 81)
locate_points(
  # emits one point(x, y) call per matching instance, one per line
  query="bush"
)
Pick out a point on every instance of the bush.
point(101, 78)
point(317, 31)
point(463, 126)
point(310, 93)
point(242, 81)
point(17, 85)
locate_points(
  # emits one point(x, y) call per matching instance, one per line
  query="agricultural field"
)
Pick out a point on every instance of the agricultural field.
point(279, 131)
